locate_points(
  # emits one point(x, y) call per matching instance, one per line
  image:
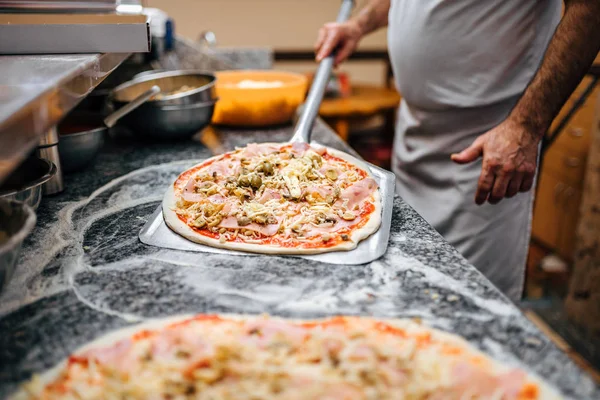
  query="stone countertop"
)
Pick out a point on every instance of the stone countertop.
point(84, 272)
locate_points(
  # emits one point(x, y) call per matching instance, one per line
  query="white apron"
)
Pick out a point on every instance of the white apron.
point(460, 66)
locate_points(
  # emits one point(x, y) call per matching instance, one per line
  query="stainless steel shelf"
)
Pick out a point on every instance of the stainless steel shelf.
point(37, 91)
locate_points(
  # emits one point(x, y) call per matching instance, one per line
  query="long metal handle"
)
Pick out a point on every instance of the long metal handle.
point(317, 90)
point(112, 119)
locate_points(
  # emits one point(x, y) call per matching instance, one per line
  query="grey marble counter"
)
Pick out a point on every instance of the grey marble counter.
point(84, 272)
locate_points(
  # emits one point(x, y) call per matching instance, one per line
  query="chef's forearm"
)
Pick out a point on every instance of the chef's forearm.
point(569, 56)
point(373, 16)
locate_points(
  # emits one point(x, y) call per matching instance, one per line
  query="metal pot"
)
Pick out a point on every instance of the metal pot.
point(16, 223)
point(203, 85)
point(79, 149)
point(81, 136)
point(169, 122)
point(25, 183)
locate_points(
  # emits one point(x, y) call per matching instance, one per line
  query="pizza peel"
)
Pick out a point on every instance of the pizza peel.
point(157, 233)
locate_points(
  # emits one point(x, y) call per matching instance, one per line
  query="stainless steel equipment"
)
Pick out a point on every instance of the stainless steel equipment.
point(80, 138)
point(201, 84)
point(59, 5)
point(79, 149)
point(37, 92)
point(48, 150)
point(16, 223)
point(25, 183)
point(169, 122)
point(173, 116)
point(70, 32)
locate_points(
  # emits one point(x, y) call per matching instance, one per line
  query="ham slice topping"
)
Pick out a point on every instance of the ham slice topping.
point(268, 195)
point(358, 191)
point(189, 194)
point(322, 191)
point(266, 230)
point(254, 149)
point(299, 148)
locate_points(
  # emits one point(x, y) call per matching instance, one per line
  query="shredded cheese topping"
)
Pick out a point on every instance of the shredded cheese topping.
point(342, 358)
point(296, 192)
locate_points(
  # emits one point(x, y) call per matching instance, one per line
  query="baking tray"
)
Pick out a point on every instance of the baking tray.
point(156, 233)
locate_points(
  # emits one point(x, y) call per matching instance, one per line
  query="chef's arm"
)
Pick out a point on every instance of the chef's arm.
point(373, 16)
point(510, 150)
point(345, 36)
point(570, 54)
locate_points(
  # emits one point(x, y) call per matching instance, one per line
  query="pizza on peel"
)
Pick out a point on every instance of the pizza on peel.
point(276, 199)
point(261, 358)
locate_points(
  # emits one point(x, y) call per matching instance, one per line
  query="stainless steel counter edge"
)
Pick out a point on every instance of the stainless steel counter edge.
point(37, 91)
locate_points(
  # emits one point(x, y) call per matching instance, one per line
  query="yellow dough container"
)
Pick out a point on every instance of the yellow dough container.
point(258, 98)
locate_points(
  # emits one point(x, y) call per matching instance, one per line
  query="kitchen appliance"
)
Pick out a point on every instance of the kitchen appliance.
point(17, 220)
point(58, 5)
point(73, 33)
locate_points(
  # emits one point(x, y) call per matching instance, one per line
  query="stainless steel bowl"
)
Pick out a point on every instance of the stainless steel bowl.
point(168, 122)
point(80, 140)
point(17, 220)
point(170, 81)
point(25, 183)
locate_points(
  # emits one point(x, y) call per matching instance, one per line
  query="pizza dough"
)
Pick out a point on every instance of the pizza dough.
point(250, 357)
point(275, 198)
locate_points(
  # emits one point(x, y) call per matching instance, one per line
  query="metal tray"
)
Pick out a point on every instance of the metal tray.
point(156, 233)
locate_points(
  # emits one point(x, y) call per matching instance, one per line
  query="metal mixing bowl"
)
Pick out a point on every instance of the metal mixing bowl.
point(79, 142)
point(170, 81)
point(168, 122)
point(25, 183)
point(17, 220)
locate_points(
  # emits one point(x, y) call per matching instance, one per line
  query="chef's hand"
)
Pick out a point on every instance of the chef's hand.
point(509, 161)
point(344, 36)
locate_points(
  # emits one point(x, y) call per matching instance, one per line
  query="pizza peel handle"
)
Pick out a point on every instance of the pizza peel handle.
point(304, 126)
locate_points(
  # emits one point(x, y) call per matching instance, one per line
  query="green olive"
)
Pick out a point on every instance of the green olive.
point(244, 180)
point(256, 181)
point(268, 168)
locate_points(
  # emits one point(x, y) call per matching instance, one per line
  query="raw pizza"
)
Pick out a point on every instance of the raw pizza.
point(274, 198)
point(234, 357)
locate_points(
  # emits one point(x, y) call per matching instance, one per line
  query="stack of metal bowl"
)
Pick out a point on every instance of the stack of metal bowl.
point(184, 107)
point(25, 183)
